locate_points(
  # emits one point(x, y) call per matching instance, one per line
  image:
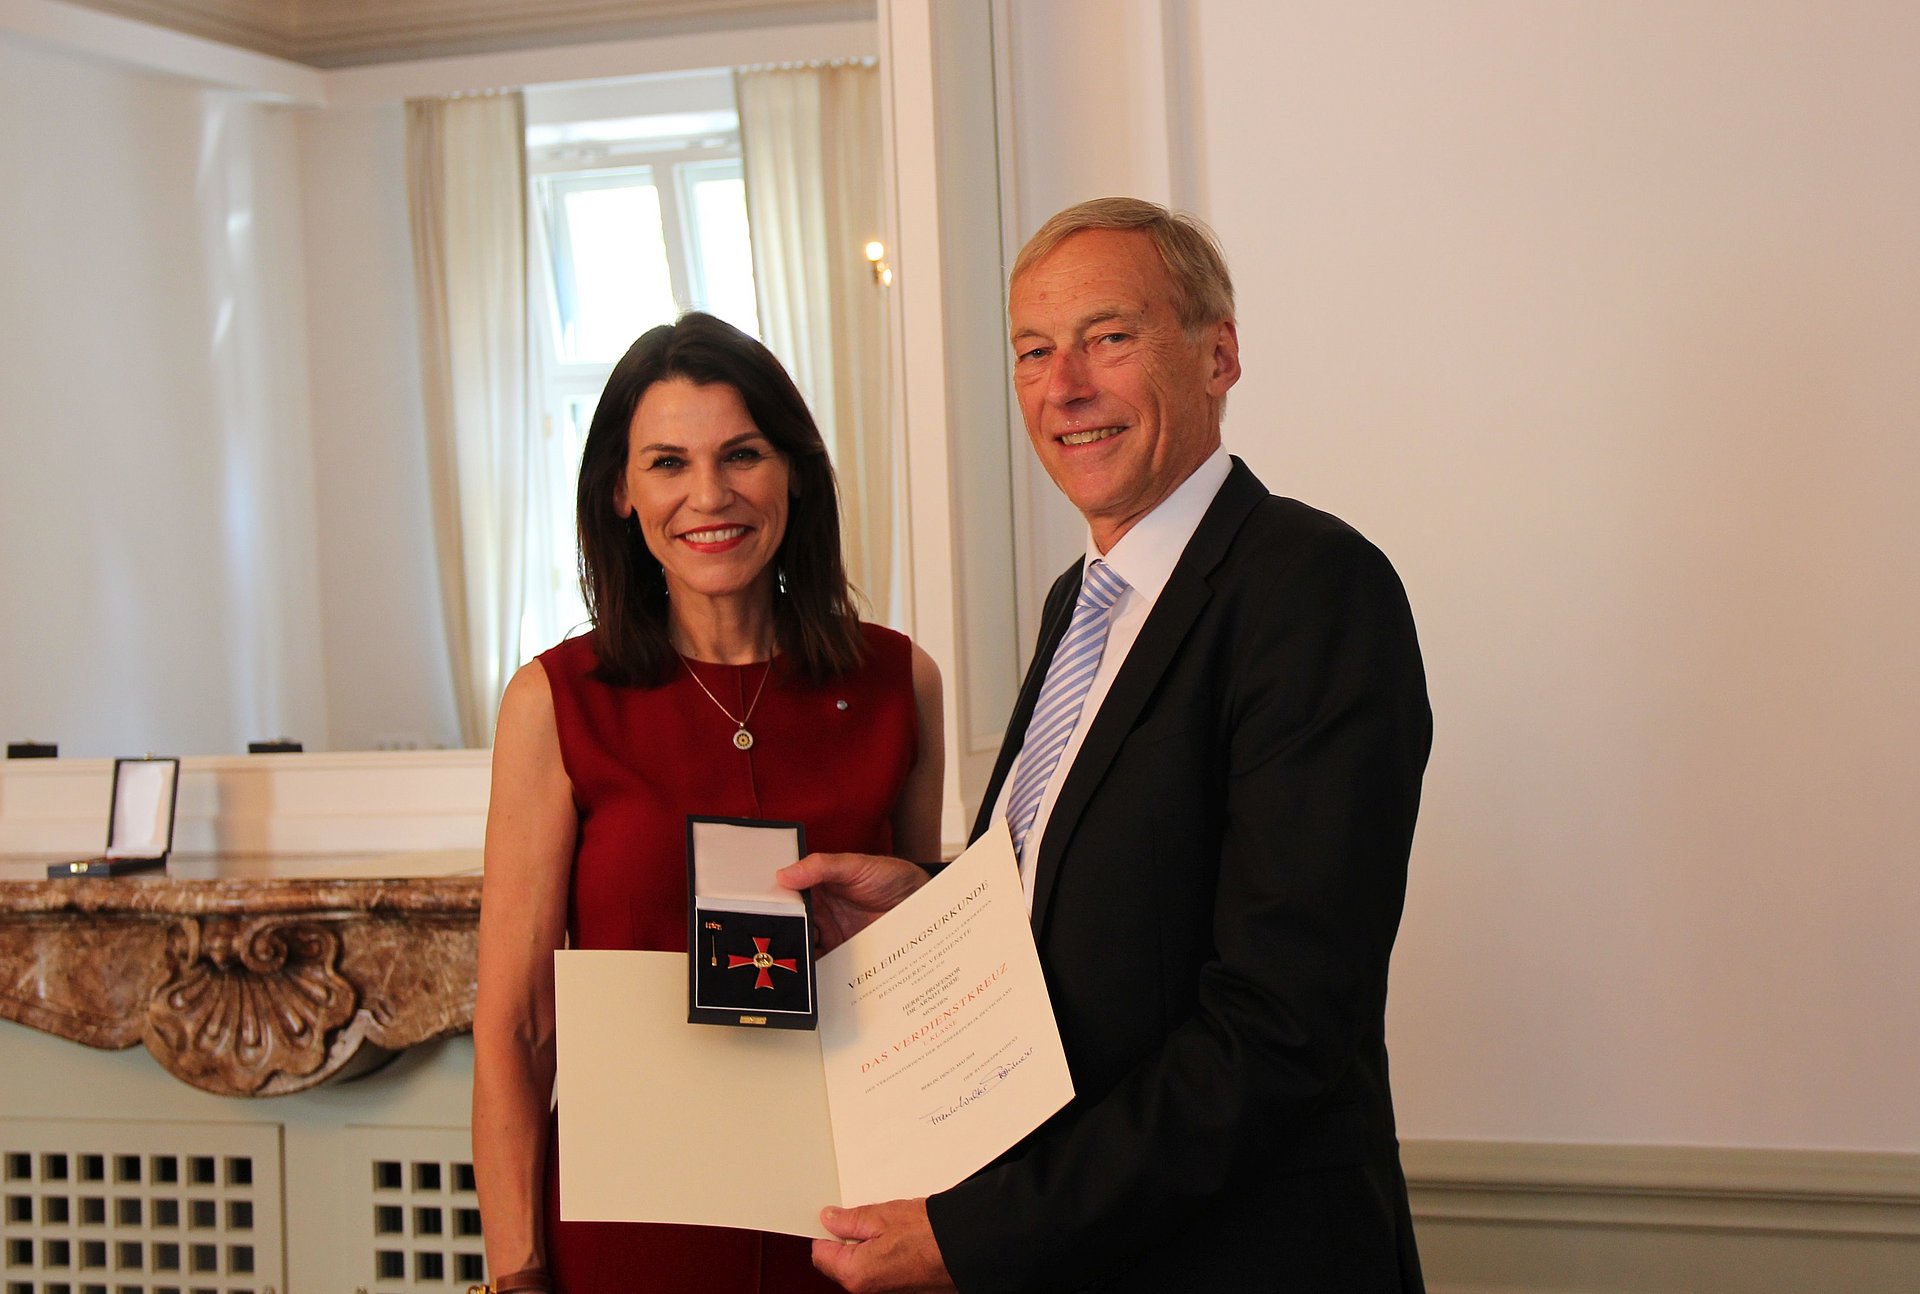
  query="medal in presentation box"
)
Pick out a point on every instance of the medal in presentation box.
point(140, 822)
point(749, 942)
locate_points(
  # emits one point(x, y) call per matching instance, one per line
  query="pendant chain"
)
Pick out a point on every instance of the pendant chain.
point(742, 739)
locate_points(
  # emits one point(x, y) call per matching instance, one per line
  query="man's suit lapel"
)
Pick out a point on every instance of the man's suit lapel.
point(1186, 593)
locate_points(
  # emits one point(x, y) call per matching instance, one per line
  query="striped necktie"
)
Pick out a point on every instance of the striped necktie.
point(1069, 675)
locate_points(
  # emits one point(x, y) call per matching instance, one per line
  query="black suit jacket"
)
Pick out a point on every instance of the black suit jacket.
point(1215, 901)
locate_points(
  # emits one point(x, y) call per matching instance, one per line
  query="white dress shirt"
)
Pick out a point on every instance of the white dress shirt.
point(1144, 558)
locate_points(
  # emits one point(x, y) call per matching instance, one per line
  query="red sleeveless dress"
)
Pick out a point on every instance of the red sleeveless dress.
point(833, 757)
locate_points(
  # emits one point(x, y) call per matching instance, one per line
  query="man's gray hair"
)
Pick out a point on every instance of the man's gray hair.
point(1203, 291)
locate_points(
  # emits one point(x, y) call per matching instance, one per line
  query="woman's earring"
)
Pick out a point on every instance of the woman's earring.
point(780, 573)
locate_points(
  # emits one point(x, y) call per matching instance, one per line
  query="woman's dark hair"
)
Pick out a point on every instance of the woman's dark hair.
point(626, 593)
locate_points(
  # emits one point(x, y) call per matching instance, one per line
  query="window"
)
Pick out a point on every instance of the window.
point(632, 224)
point(622, 258)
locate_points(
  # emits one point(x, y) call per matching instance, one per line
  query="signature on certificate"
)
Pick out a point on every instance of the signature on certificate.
point(994, 1077)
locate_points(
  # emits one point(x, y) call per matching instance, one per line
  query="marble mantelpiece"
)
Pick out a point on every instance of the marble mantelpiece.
point(243, 986)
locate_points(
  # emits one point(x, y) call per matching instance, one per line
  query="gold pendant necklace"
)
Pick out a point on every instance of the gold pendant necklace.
point(742, 739)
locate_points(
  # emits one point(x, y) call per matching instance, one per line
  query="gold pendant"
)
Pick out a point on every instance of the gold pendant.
point(743, 739)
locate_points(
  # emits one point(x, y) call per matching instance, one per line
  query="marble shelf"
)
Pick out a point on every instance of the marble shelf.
point(240, 979)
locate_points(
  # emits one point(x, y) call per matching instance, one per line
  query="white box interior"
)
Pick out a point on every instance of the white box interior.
point(142, 808)
point(733, 864)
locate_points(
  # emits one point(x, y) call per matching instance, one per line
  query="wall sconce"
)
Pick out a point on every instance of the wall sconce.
point(877, 257)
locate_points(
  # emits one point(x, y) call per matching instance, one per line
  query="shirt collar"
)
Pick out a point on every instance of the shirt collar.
point(1146, 554)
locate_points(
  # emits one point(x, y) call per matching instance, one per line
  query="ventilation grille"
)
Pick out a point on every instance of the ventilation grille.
point(423, 1214)
point(127, 1208)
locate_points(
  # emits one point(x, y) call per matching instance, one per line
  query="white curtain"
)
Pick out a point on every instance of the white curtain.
point(811, 149)
point(554, 609)
point(466, 184)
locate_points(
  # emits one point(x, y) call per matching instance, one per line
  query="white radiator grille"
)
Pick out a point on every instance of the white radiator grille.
point(139, 1208)
point(422, 1213)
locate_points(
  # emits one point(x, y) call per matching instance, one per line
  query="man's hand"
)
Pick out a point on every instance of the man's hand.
point(882, 1249)
point(850, 891)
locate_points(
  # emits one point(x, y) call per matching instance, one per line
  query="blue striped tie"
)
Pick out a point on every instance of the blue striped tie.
point(1069, 675)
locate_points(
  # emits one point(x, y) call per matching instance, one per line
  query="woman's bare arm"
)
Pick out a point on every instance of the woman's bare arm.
point(531, 827)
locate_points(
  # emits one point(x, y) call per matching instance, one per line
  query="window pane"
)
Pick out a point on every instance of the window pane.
point(619, 275)
point(726, 256)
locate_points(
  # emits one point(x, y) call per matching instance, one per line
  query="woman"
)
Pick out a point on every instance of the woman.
point(725, 674)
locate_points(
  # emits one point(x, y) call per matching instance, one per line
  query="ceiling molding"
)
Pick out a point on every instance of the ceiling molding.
point(354, 33)
point(265, 27)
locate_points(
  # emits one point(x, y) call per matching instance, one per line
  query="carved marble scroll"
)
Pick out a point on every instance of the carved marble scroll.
point(255, 988)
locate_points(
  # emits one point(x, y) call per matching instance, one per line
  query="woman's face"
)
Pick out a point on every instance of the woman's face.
point(709, 489)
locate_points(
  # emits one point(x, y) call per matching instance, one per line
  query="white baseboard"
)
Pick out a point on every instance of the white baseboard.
point(1504, 1217)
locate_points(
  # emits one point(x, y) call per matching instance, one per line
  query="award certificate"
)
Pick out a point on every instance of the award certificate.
point(936, 1050)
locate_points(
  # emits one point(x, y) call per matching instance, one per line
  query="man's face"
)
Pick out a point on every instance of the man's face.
point(1121, 405)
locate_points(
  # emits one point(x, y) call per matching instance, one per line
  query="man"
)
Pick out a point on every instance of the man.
point(1211, 777)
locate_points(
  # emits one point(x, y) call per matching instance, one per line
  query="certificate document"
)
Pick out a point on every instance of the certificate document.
point(936, 1050)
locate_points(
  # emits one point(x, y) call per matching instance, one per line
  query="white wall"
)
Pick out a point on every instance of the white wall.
point(387, 678)
point(1603, 320)
point(155, 529)
point(1090, 102)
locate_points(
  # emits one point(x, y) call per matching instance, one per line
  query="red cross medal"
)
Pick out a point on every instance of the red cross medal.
point(762, 961)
